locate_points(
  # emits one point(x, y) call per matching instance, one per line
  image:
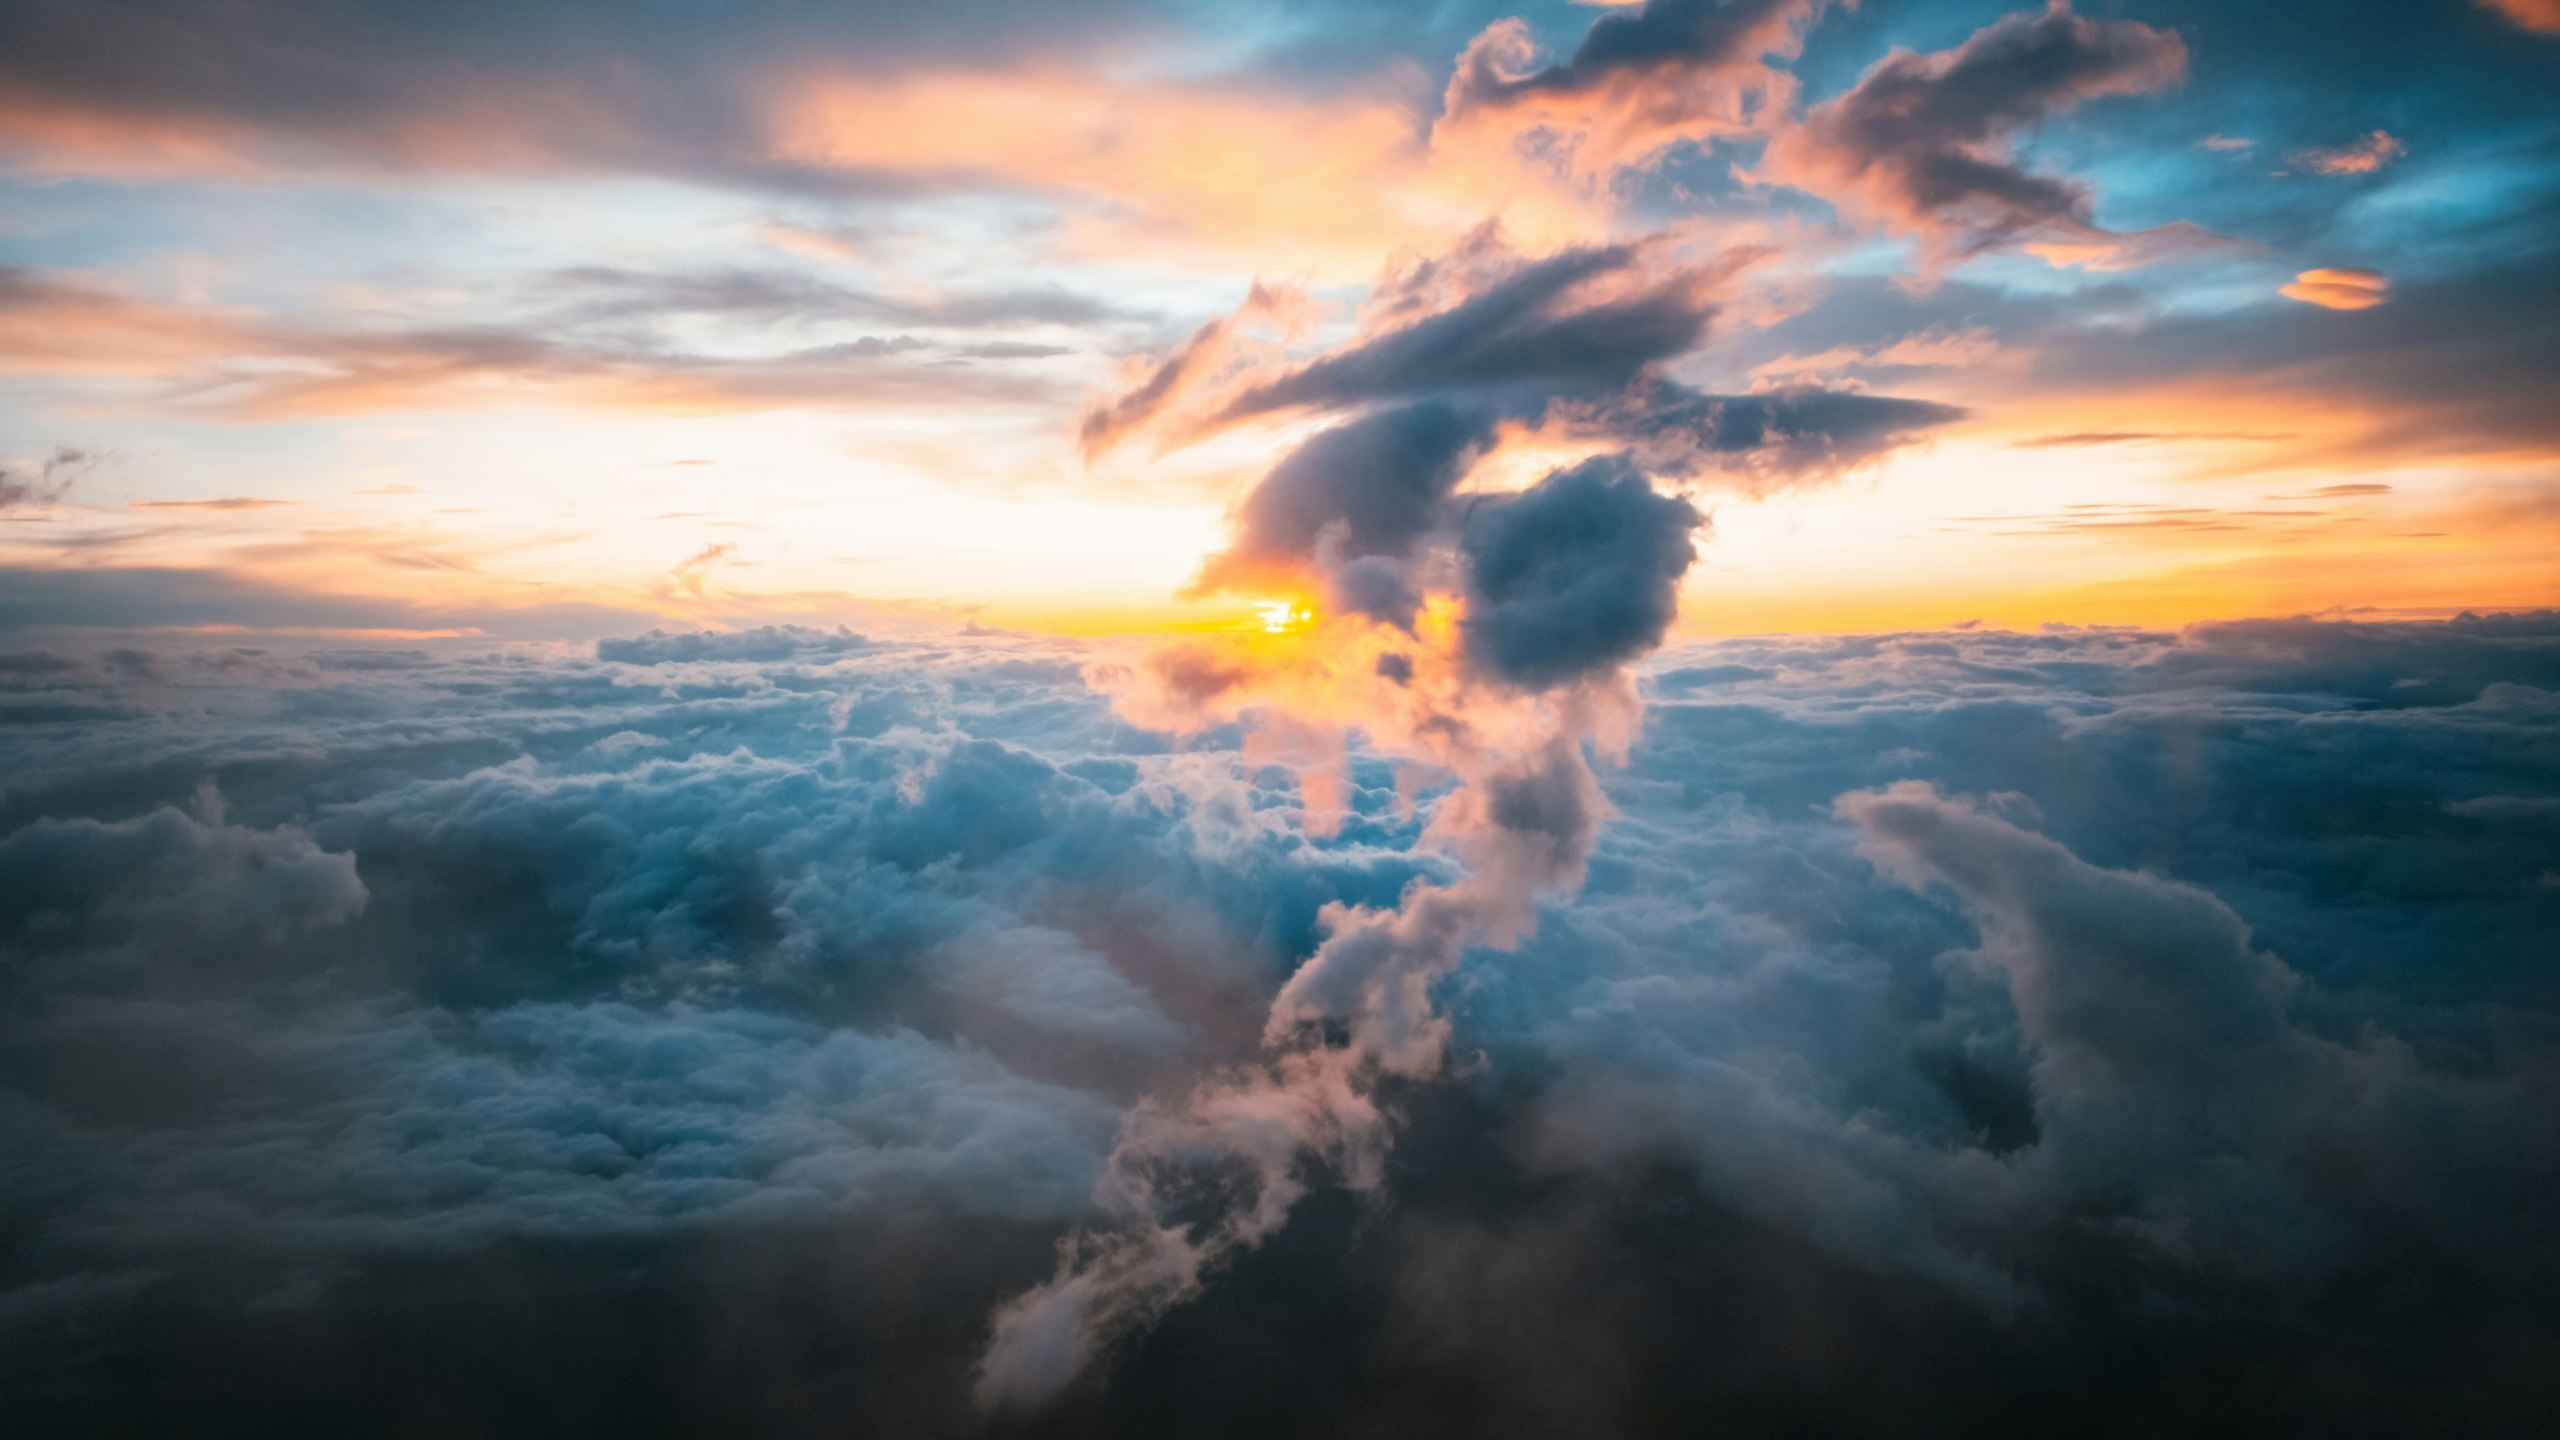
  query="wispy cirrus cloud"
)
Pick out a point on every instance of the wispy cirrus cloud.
point(230, 362)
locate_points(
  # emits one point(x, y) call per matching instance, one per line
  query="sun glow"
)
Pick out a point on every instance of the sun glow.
point(1281, 617)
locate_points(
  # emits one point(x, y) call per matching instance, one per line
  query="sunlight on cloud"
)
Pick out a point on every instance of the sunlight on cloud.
point(2339, 288)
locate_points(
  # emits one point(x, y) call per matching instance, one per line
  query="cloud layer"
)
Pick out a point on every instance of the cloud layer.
point(1988, 964)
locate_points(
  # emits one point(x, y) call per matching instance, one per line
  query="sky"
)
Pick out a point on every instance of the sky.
point(489, 313)
point(1166, 717)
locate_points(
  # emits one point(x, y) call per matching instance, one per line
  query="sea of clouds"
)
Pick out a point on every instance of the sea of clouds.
point(1971, 991)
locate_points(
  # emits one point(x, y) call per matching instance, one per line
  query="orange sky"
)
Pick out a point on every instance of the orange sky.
point(834, 352)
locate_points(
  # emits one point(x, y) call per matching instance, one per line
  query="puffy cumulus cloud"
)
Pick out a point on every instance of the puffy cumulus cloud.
point(2167, 1077)
point(1641, 79)
point(2342, 287)
point(1361, 505)
point(1925, 145)
point(92, 903)
point(363, 1133)
point(2095, 1035)
point(499, 945)
point(1580, 572)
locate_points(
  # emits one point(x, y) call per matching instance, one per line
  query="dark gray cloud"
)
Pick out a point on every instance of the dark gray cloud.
point(1767, 438)
point(1578, 573)
point(1529, 329)
point(1923, 143)
point(1370, 489)
point(1482, 337)
point(1369, 509)
point(1651, 40)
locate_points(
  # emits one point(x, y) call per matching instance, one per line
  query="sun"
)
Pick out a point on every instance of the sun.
point(1280, 617)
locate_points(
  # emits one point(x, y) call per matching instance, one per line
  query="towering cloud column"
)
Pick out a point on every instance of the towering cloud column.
point(1562, 584)
point(1481, 635)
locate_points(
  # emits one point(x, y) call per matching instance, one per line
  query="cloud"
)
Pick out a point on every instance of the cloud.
point(228, 502)
point(1766, 440)
point(1432, 990)
point(551, 964)
point(53, 479)
point(541, 87)
point(1577, 573)
point(1553, 591)
point(2540, 15)
point(1583, 319)
point(491, 955)
point(1924, 145)
point(764, 642)
point(1566, 345)
point(612, 293)
point(1478, 323)
point(2340, 288)
point(1973, 347)
point(1372, 488)
point(2316, 385)
point(1247, 172)
point(92, 903)
point(2113, 971)
point(2359, 157)
point(1640, 80)
point(1187, 371)
point(242, 366)
point(2156, 1030)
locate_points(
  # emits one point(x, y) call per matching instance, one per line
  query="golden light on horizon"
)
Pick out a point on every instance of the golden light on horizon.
point(1281, 617)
